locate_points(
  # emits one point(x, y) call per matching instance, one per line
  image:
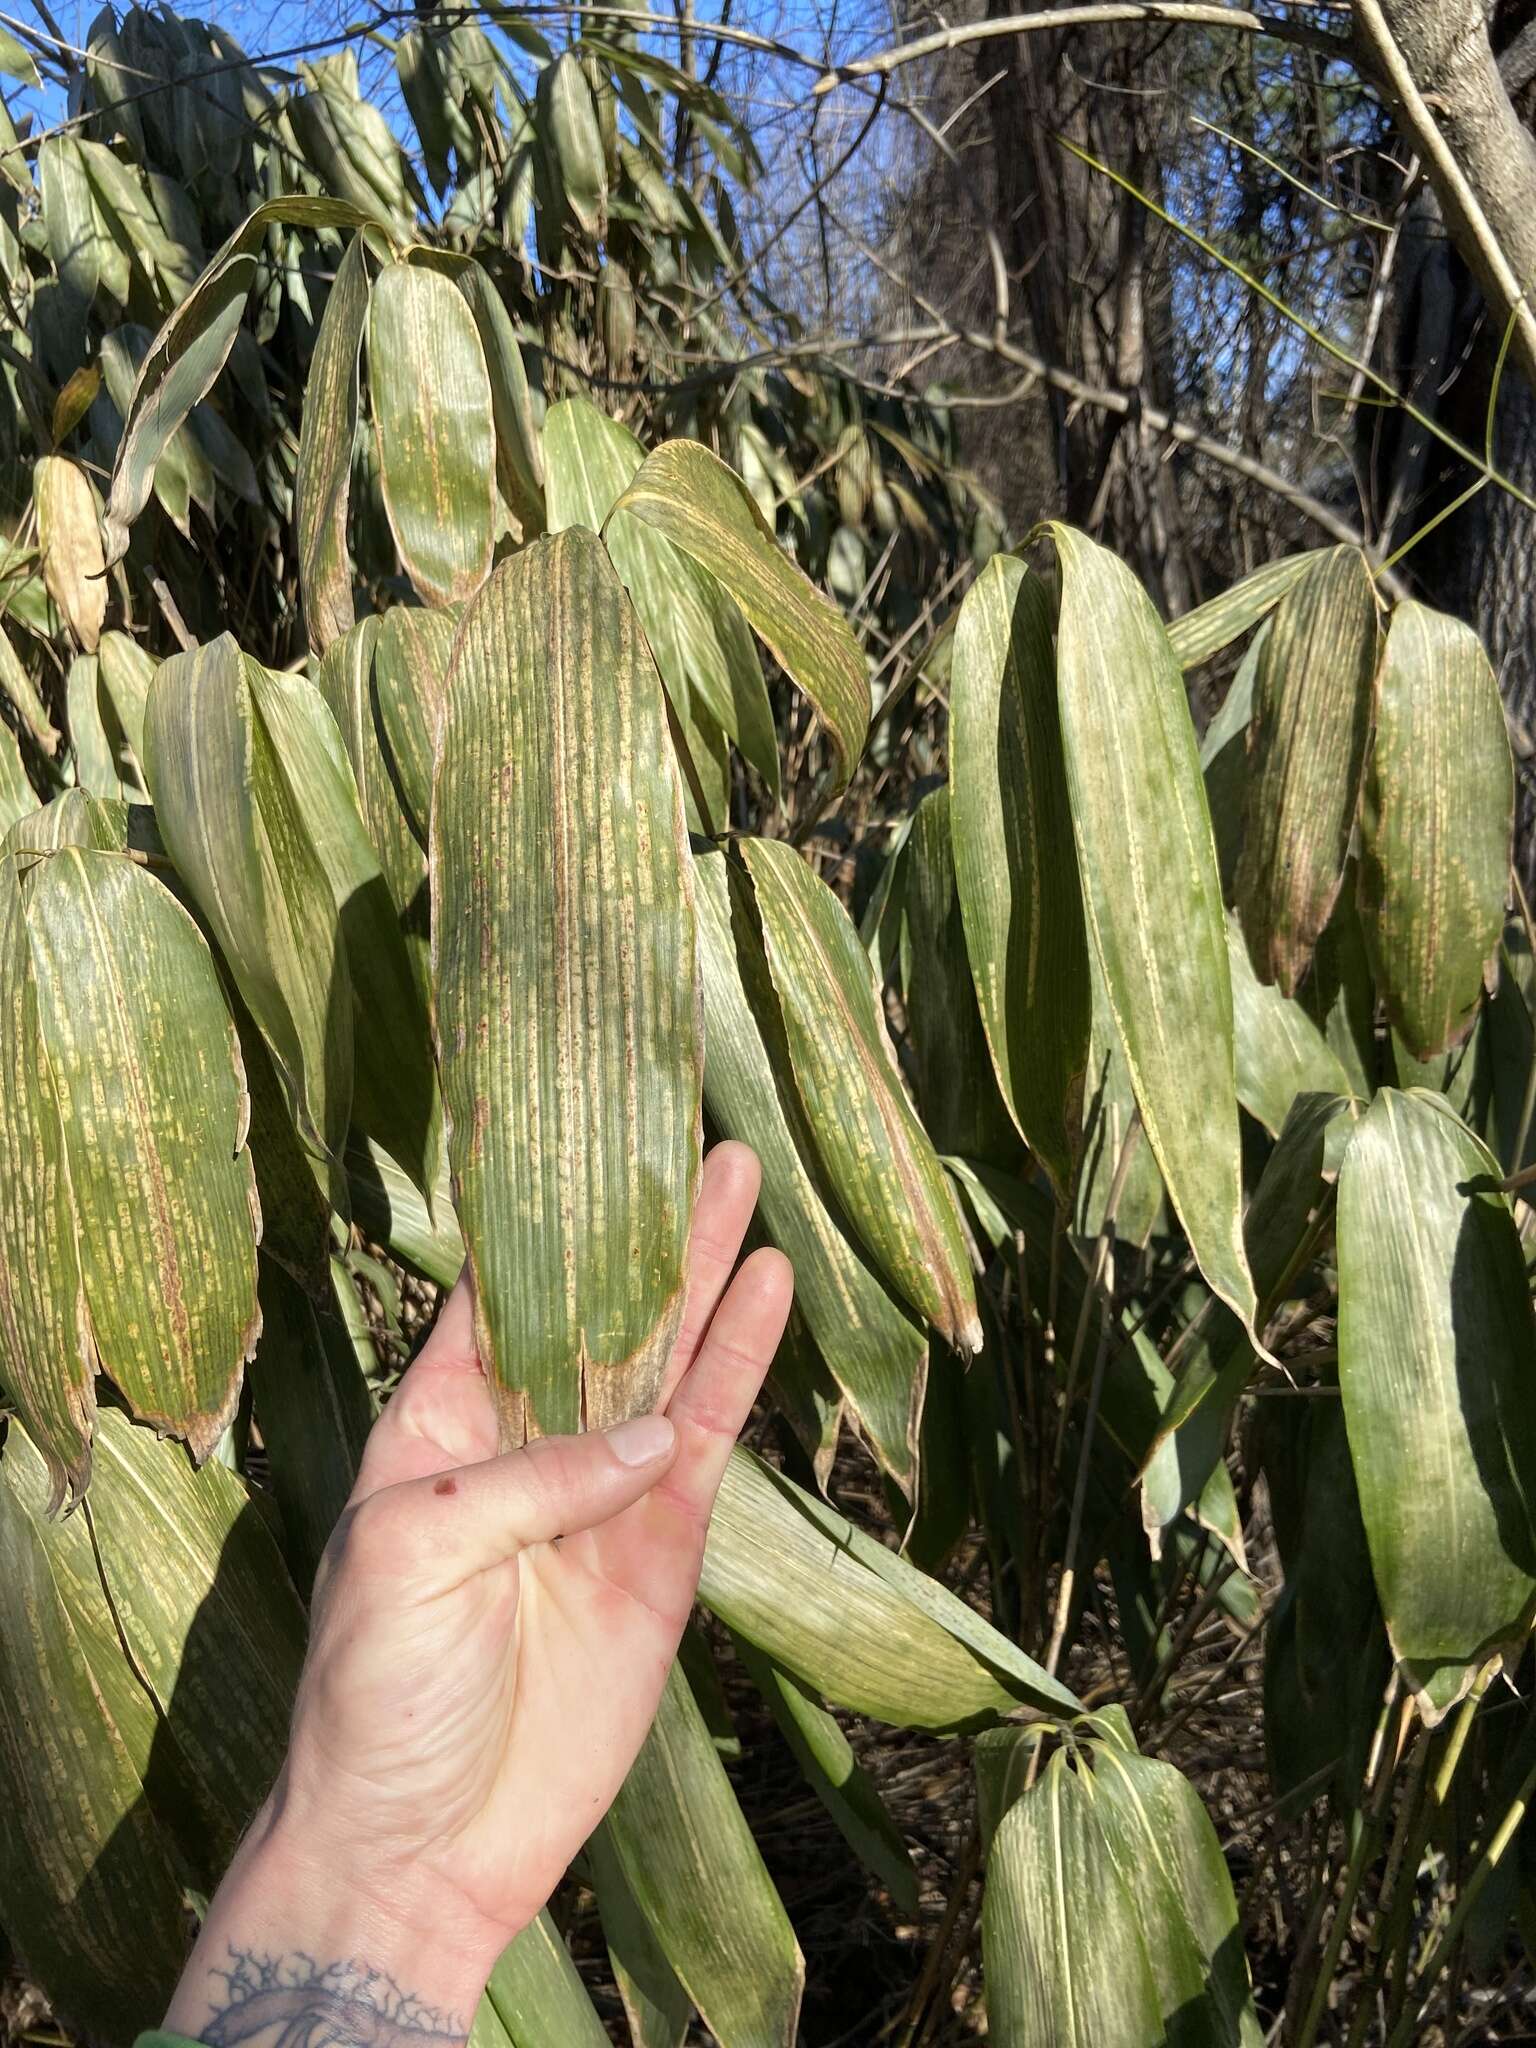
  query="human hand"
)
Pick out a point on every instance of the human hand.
point(491, 1634)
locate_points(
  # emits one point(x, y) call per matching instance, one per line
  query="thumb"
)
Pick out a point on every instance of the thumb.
point(479, 1515)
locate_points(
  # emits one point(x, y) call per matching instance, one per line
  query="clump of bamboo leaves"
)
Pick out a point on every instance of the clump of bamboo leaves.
point(1163, 1082)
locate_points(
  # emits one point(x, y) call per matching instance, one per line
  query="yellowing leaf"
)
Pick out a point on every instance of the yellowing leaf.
point(69, 536)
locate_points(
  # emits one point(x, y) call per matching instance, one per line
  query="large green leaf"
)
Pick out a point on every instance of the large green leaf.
point(702, 644)
point(152, 1106)
point(88, 1893)
point(1015, 866)
point(1312, 707)
point(1153, 894)
point(435, 430)
point(952, 1075)
point(126, 672)
point(846, 1616)
point(395, 1090)
point(47, 1359)
point(571, 143)
point(874, 1154)
point(1438, 820)
point(1226, 617)
point(1165, 1849)
point(656, 2006)
point(689, 1858)
point(519, 457)
point(1062, 1942)
point(327, 431)
point(872, 1345)
point(410, 669)
point(189, 351)
point(690, 496)
point(568, 1009)
point(206, 1608)
point(241, 841)
point(1109, 1913)
point(1436, 1342)
point(1280, 1052)
point(349, 679)
point(535, 1996)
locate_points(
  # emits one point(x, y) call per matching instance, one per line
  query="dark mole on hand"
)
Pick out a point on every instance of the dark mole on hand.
point(446, 1485)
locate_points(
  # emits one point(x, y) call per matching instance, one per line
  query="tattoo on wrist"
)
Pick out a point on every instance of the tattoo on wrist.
point(279, 2001)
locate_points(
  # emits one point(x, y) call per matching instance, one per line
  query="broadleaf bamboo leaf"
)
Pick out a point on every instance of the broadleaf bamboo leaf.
point(1313, 703)
point(19, 687)
point(410, 669)
point(1436, 1351)
point(1438, 822)
point(191, 349)
point(206, 1608)
point(1280, 1052)
point(435, 430)
point(953, 1079)
point(1226, 617)
point(868, 1631)
point(567, 1001)
point(572, 142)
point(536, 1995)
point(1015, 865)
point(242, 845)
point(18, 799)
point(692, 498)
point(1152, 894)
point(314, 1411)
point(656, 2006)
point(126, 674)
point(152, 1106)
point(685, 1847)
point(394, 1095)
point(47, 1357)
point(703, 646)
point(875, 1348)
point(87, 1887)
point(1064, 1950)
point(323, 481)
point(1162, 1842)
point(873, 1152)
point(519, 456)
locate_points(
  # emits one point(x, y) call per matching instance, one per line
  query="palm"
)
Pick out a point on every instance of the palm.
point(489, 1716)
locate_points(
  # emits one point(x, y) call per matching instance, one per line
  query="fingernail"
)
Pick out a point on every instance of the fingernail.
point(641, 1441)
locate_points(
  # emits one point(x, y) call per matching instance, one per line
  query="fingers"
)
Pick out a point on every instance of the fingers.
point(441, 1414)
point(727, 1197)
point(715, 1396)
point(462, 1522)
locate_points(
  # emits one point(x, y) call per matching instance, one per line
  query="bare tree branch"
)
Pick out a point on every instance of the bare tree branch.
point(1435, 54)
point(1202, 16)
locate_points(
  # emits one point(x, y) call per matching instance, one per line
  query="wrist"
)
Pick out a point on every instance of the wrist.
point(298, 1917)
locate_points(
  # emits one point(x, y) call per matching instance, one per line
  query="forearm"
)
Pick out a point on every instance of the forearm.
point(291, 1942)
